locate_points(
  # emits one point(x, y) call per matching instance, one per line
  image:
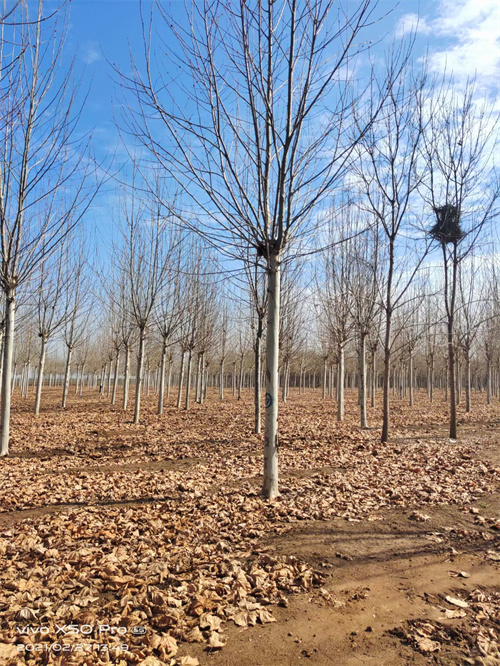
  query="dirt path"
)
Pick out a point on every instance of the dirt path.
point(381, 574)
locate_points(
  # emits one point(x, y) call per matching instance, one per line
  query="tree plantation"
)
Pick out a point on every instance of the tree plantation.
point(250, 341)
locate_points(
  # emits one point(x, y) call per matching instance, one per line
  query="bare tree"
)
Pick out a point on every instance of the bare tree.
point(364, 280)
point(388, 176)
point(77, 295)
point(462, 188)
point(50, 306)
point(144, 261)
point(44, 189)
point(268, 88)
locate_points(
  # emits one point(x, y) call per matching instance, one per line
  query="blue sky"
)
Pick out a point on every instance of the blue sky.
point(462, 35)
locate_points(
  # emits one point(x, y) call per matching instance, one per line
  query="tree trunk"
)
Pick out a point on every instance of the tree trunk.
point(324, 378)
point(188, 379)
point(161, 393)
point(467, 380)
point(41, 366)
point(169, 380)
point(126, 377)
point(181, 379)
point(257, 387)
point(410, 378)
point(67, 376)
point(488, 381)
point(221, 380)
point(270, 486)
point(240, 378)
point(115, 378)
point(8, 348)
point(451, 382)
point(202, 377)
point(374, 379)
point(138, 377)
point(362, 380)
point(340, 383)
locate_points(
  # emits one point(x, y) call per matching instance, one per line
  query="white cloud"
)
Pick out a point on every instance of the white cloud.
point(91, 54)
point(470, 29)
point(412, 24)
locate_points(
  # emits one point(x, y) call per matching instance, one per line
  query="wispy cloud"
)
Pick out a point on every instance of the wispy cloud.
point(91, 53)
point(464, 39)
point(412, 24)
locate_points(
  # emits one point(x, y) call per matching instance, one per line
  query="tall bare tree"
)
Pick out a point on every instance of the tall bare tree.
point(44, 190)
point(462, 187)
point(254, 129)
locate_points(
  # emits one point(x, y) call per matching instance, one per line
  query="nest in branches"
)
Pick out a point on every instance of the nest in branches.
point(447, 228)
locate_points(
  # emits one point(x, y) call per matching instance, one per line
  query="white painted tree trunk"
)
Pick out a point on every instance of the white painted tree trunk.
point(126, 378)
point(257, 387)
point(270, 487)
point(202, 377)
point(115, 378)
point(362, 380)
point(374, 379)
point(340, 383)
point(240, 378)
point(41, 366)
point(488, 382)
point(108, 382)
point(161, 393)
point(181, 379)
point(67, 376)
point(324, 378)
point(467, 381)
point(8, 349)
point(188, 378)
point(138, 377)
point(221, 380)
point(169, 376)
point(411, 379)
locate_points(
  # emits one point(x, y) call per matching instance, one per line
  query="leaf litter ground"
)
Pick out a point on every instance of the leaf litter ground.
point(162, 526)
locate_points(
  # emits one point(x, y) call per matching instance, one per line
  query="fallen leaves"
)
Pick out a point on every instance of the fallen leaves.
point(475, 641)
point(162, 527)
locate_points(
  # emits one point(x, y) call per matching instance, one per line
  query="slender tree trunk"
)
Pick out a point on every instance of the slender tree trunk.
point(257, 387)
point(67, 376)
point(108, 381)
point(188, 378)
point(161, 393)
point(8, 349)
point(115, 378)
point(410, 378)
point(467, 380)
point(340, 382)
point(324, 378)
point(202, 377)
point(362, 380)
point(139, 378)
point(181, 379)
point(240, 378)
point(199, 370)
point(221, 380)
point(169, 380)
point(126, 378)
point(488, 381)
point(270, 486)
point(374, 378)
point(41, 366)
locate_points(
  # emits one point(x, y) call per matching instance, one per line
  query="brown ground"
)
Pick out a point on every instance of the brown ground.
point(189, 483)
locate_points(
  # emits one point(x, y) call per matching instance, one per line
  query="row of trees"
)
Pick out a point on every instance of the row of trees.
point(252, 146)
